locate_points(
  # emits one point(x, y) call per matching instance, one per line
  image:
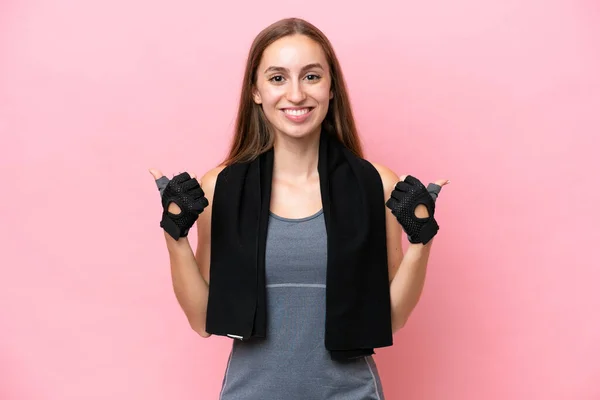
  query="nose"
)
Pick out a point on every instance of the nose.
point(295, 92)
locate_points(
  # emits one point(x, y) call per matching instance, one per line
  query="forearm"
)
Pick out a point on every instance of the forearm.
point(408, 282)
point(191, 290)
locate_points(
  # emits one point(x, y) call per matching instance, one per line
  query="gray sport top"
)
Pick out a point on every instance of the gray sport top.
point(292, 363)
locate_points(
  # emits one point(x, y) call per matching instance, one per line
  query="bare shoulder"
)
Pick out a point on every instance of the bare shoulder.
point(203, 223)
point(388, 177)
point(209, 180)
point(393, 229)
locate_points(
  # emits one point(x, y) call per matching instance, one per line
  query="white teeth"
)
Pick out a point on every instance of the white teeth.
point(296, 112)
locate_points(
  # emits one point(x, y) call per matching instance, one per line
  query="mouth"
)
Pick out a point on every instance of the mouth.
point(297, 112)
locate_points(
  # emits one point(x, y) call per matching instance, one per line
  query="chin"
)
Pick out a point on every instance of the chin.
point(297, 131)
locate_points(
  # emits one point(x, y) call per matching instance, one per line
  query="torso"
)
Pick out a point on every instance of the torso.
point(292, 362)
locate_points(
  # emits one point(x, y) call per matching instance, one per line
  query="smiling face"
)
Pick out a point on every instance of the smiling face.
point(293, 85)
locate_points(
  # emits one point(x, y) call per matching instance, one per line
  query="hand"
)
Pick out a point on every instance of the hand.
point(182, 199)
point(413, 205)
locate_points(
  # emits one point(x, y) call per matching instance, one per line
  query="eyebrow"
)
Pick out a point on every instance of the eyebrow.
point(282, 69)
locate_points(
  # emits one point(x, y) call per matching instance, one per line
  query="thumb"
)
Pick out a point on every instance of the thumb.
point(155, 173)
point(160, 180)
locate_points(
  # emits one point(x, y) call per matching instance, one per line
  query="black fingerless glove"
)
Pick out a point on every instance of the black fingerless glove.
point(405, 198)
point(186, 192)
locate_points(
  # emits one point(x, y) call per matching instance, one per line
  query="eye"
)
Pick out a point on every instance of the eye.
point(276, 78)
point(313, 77)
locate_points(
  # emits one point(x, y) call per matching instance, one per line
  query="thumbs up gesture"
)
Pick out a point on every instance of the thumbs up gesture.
point(413, 205)
point(182, 200)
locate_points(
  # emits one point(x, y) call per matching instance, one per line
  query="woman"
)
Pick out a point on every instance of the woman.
point(293, 233)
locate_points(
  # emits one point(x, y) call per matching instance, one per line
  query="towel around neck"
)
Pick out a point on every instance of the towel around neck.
point(358, 310)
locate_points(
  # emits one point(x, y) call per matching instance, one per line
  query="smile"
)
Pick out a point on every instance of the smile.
point(298, 115)
point(297, 111)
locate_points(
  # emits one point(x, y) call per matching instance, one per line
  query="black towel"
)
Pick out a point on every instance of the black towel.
point(358, 310)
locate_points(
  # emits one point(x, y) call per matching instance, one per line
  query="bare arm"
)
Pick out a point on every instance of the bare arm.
point(407, 271)
point(407, 286)
point(191, 290)
point(189, 271)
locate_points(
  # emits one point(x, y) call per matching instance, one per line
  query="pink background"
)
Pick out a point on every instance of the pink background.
point(502, 97)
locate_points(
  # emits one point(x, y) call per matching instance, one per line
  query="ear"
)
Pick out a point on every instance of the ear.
point(330, 94)
point(256, 96)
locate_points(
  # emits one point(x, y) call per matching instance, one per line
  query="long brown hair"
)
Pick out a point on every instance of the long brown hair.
point(253, 134)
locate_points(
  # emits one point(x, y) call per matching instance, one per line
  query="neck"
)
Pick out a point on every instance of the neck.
point(296, 159)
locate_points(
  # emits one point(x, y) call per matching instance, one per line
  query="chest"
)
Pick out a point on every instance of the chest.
point(296, 250)
point(290, 200)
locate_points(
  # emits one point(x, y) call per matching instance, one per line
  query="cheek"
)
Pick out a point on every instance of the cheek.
point(321, 94)
point(270, 96)
point(322, 98)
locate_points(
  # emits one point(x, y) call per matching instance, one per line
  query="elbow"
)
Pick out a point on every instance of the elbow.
point(200, 330)
point(398, 323)
point(202, 333)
